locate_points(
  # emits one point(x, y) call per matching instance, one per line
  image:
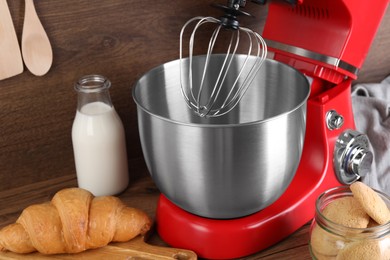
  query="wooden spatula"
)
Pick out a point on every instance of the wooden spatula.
point(11, 62)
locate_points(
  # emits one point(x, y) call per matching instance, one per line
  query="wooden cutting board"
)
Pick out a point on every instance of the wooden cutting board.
point(11, 62)
point(136, 248)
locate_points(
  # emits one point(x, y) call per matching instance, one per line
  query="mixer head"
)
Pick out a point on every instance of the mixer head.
point(210, 95)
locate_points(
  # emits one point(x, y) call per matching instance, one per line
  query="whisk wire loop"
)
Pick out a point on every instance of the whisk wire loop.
point(223, 72)
point(188, 97)
point(242, 88)
point(207, 62)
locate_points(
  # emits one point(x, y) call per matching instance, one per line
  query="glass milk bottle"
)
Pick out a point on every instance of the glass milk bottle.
point(98, 138)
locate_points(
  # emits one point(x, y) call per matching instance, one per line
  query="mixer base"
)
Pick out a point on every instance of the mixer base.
point(233, 238)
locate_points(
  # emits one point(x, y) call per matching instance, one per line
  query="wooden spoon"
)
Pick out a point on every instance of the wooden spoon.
point(36, 48)
point(11, 62)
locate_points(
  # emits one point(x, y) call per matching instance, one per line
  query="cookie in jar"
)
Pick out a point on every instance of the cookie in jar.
point(351, 222)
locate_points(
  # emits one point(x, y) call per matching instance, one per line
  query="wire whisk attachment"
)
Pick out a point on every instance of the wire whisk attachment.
point(215, 88)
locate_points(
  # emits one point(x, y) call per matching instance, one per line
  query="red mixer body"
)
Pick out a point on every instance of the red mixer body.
point(327, 41)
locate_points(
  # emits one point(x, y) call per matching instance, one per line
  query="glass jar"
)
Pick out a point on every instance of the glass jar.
point(330, 240)
point(98, 138)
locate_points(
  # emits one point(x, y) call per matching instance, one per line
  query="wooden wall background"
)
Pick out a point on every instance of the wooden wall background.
point(120, 39)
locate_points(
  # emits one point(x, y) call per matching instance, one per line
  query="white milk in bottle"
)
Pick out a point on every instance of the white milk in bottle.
point(98, 137)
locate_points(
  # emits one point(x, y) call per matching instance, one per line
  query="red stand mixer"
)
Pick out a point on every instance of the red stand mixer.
point(328, 42)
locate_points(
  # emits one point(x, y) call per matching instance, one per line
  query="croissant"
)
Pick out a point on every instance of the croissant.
point(73, 221)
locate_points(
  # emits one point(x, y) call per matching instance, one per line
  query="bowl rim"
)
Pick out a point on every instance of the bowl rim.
point(219, 125)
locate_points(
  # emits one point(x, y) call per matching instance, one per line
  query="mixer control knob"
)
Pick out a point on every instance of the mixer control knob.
point(334, 120)
point(352, 158)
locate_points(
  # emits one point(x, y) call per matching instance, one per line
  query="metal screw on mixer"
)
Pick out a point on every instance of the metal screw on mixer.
point(334, 120)
point(208, 94)
point(232, 11)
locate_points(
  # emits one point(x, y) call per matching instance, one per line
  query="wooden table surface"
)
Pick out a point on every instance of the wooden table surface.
point(143, 194)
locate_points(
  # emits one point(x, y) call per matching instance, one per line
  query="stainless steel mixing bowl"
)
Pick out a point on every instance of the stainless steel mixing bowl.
point(229, 166)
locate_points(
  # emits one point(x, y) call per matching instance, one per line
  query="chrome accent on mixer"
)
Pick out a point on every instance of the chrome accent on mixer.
point(313, 55)
point(352, 158)
point(334, 120)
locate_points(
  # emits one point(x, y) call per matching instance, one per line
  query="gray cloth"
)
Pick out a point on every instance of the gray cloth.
point(371, 108)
